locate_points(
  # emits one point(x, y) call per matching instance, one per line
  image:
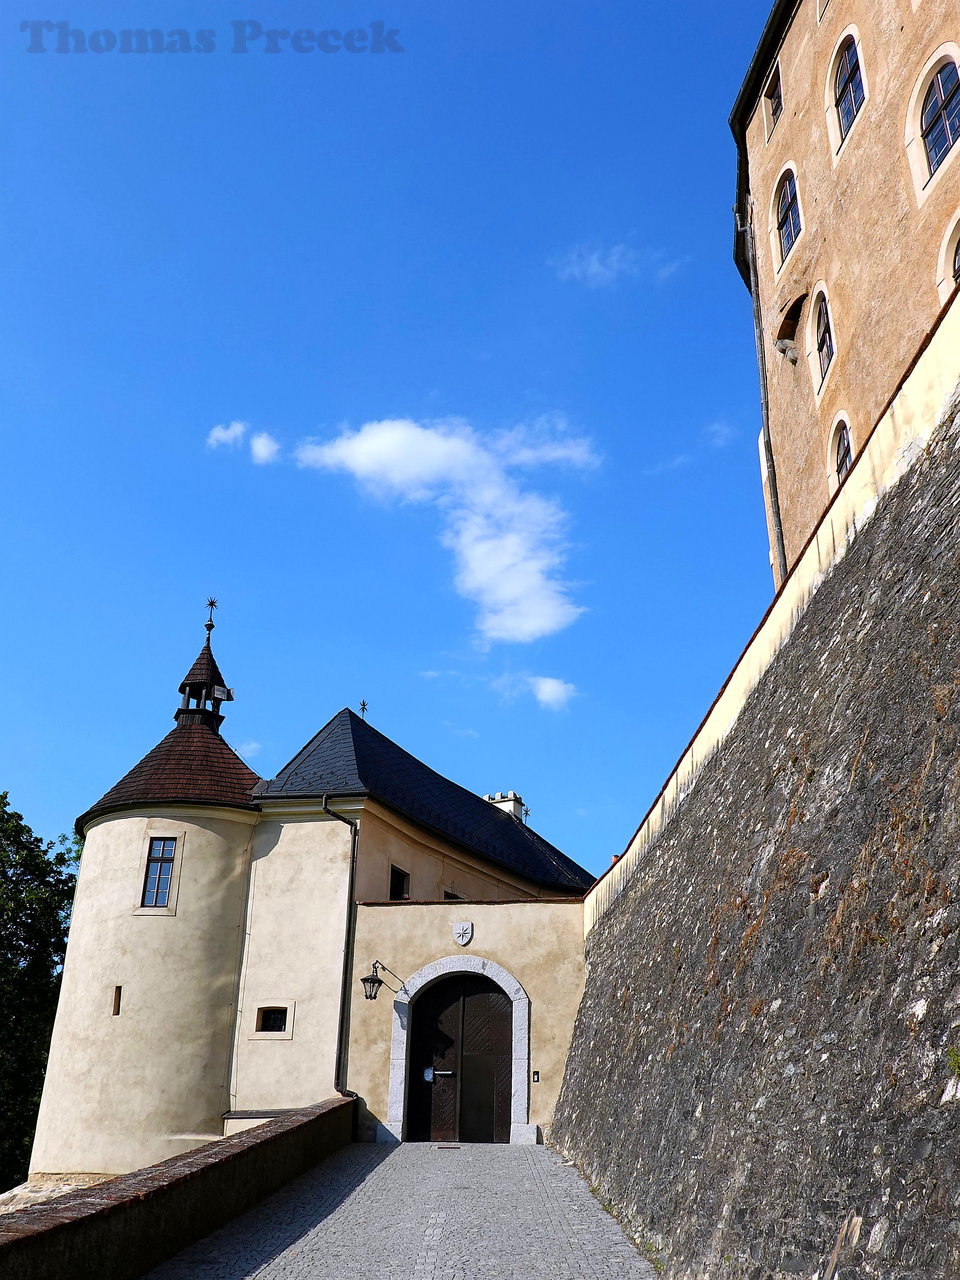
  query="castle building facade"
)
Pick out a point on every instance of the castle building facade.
point(223, 923)
point(848, 230)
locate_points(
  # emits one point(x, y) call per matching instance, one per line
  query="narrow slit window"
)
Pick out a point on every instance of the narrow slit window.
point(788, 214)
point(399, 884)
point(824, 338)
point(156, 883)
point(940, 119)
point(117, 994)
point(774, 97)
point(844, 452)
point(849, 86)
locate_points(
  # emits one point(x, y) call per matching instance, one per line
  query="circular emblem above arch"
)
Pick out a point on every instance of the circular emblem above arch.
point(521, 1131)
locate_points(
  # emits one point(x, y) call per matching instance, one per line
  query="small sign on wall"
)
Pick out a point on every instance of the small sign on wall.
point(463, 932)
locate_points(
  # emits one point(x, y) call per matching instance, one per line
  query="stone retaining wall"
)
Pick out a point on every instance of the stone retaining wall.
point(764, 1078)
point(121, 1228)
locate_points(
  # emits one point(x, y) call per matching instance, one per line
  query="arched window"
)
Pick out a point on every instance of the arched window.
point(940, 118)
point(844, 451)
point(824, 337)
point(849, 86)
point(956, 263)
point(788, 214)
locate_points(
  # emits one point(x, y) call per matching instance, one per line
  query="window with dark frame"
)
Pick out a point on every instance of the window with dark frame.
point(774, 96)
point(940, 118)
point(156, 882)
point(844, 452)
point(956, 263)
point(824, 337)
point(272, 1020)
point(399, 885)
point(788, 214)
point(849, 86)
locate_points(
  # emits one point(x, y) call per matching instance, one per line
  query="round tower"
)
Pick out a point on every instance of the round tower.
point(140, 1056)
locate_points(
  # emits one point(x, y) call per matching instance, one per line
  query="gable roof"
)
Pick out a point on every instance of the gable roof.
point(348, 757)
point(191, 765)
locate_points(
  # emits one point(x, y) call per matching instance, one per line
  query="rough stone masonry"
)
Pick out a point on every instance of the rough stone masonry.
point(765, 1072)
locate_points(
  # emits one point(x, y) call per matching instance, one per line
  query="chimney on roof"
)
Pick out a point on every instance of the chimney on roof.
point(509, 802)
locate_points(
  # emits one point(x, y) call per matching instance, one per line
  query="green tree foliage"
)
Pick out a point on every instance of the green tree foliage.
point(36, 888)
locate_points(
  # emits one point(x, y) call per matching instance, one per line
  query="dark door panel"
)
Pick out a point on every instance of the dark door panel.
point(460, 1062)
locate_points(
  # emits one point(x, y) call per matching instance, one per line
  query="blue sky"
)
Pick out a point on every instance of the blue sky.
point(434, 367)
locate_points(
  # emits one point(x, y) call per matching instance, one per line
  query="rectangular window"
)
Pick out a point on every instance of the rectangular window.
point(450, 896)
point(273, 1020)
point(117, 993)
point(774, 96)
point(156, 883)
point(399, 885)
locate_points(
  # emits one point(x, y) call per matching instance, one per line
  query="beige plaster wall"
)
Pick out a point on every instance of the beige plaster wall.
point(293, 954)
point(124, 1092)
point(872, 233)
point(539, 942)
point(433, 865)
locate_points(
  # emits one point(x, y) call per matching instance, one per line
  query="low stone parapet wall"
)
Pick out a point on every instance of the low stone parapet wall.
point(120, 1229)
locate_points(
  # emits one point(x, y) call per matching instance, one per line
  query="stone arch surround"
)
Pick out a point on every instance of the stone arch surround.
point(521, 1131)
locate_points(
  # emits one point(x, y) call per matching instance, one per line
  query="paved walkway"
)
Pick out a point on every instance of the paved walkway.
point(419, 1212)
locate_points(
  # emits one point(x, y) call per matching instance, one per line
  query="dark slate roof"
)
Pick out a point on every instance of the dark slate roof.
point(348, 757)
point(192, 765)
point(204, 670)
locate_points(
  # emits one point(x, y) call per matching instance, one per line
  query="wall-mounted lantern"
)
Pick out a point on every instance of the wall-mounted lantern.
point(372, 982)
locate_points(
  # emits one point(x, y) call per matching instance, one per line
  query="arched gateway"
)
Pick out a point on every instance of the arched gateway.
point(460, 1055)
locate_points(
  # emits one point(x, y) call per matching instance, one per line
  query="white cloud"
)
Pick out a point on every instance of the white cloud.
point(263, 448)
point(668, 267)
point(719, 434)
point(506, 540)
point(248, 749)
point(229, 436)
point(599, 267)
point(596, 267)
point(668, 464)
point(550, 692)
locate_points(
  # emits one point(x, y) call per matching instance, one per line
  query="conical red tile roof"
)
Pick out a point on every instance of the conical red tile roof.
point(192, 765)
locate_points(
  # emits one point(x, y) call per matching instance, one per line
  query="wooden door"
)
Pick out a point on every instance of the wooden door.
point(460, 1062)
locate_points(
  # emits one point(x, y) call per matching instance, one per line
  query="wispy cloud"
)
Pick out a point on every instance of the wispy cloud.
point(668, 464)
point(461, 733)
point(507, 540)
point(263, 448)
point(248, 749)
point(715, 435)
point(597, 266)
point(552, 693)
point(229, 436)
point(719, 434)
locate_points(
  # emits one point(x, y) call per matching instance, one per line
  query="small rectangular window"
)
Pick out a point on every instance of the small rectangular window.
point(274, 1020)
point(450, 896)
point(156, 883)
point(117, 993)
point(399, 885)
point(774, 96)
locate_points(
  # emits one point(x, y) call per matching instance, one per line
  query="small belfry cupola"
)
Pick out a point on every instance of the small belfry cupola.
point(203, 688)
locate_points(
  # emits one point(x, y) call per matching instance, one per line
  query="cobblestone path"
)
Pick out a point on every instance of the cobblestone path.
point(419, 1212)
